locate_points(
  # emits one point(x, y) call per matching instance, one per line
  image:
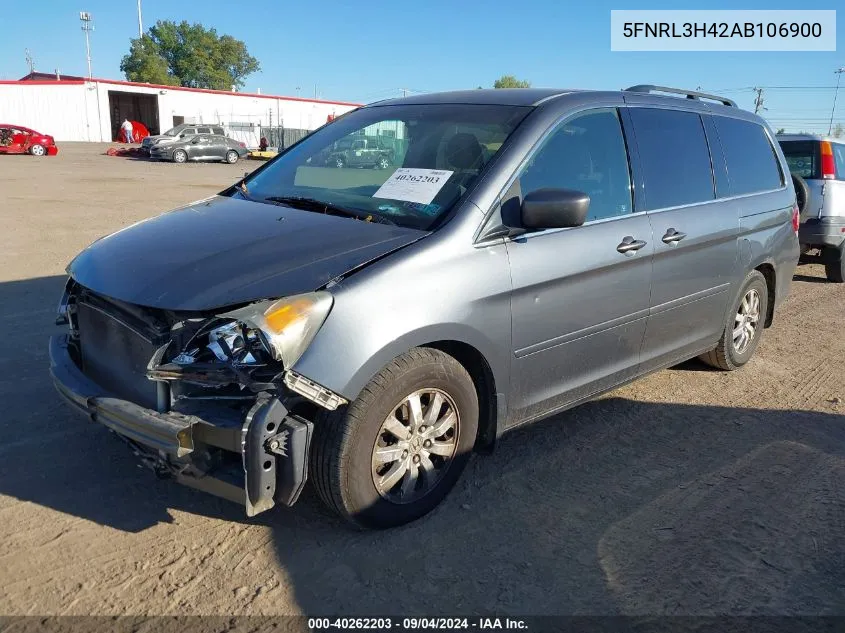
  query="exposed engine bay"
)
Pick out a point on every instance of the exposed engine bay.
point(211, 390)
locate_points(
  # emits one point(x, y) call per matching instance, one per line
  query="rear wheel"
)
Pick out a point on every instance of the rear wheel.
point(37, 150)
point(180, 156)
point(338, 161)
point(834, 264)
point(232, 157)
point(744, 327)
point(382, 163)
point(399, 448)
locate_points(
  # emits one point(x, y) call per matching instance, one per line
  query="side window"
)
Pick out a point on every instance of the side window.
point(189, 131)
point(839, 160)
point(218, 130)
point(586, 153)
point(751, 159)
point(675, 160)
point(204, 130)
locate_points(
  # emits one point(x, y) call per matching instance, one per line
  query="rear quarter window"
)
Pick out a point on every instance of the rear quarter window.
point(749, 155)
point(674, 157)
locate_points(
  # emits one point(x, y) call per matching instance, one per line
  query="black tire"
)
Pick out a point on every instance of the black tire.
point(834, 264)
point(341, 461)
point(725, 355)
point(232, 157)
point(180, 156)
point(802, 192)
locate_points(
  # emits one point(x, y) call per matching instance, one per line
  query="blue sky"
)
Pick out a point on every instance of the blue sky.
point(363, 51)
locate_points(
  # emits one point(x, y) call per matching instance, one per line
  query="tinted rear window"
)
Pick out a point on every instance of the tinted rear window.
point(802, 157)
point(750, 157)
point(675, 159)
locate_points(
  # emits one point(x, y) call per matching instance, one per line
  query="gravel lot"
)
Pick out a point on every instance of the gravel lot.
point(689, 492)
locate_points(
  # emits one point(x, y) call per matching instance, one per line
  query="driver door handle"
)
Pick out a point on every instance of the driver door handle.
point(672, 236)
point(630, 245)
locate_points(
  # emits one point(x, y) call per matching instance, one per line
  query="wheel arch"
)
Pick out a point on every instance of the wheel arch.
point(767, 269)
point(489, 372)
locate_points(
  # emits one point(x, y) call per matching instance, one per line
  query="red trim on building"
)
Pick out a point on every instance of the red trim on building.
point(119, 82)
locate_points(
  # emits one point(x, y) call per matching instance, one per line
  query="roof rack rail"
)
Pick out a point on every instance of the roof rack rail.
point(689, 94)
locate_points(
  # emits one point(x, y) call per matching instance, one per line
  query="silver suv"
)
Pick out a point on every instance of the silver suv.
point(370, 329)
point(820, 162)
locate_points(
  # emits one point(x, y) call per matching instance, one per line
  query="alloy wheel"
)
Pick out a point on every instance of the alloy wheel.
point(746, 321)
point(415, 446)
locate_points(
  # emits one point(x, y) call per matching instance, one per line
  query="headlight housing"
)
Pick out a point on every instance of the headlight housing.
point(287, 325)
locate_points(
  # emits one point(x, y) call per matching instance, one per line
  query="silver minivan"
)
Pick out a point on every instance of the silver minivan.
point(820, 162)
point(369, 329)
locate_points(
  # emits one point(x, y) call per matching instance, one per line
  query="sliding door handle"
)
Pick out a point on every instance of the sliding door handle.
point(630, 245)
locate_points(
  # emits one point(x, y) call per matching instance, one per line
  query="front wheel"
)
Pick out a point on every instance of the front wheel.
point(401, 446)
point(744, 327)
point(232, 157)
point(382, 163)
point(180, 156)
point(338, 162)
point(37, 150)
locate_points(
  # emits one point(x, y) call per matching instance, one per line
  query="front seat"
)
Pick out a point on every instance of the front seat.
point(463, 153)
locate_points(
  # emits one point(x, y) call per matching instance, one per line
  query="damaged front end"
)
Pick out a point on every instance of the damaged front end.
point(208, 399)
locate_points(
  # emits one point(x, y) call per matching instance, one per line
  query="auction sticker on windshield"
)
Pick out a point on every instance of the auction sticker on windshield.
point(413, 185)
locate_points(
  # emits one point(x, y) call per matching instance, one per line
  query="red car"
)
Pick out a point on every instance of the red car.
point(16, 139)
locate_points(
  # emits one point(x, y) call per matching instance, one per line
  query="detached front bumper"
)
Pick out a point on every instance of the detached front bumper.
point(258, 460)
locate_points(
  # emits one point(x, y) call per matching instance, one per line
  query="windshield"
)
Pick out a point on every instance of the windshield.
point(403, 164)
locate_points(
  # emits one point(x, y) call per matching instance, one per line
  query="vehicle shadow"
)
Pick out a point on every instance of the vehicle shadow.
point(618, 506)
point(811, 280)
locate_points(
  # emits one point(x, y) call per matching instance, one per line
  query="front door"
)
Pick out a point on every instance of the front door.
point(695, 235)
point(580, 295)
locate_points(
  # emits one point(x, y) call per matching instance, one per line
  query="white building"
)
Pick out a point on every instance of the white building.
point(79, 109)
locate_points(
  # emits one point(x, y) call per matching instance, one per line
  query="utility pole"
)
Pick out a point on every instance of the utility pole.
point(140, 24)
point(29, 61)
point(758, 101)
point(86, 20)
point(835, 93)
point(315, 91)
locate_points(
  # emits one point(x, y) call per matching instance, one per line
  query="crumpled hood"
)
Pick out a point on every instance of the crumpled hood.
point(223, 251)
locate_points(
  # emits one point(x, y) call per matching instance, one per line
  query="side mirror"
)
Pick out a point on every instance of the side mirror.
point(554, 208)
point(195, 140)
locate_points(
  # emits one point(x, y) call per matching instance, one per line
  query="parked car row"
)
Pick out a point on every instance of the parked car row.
point(189, 142)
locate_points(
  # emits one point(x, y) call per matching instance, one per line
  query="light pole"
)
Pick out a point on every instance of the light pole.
point(86, 19)
point(140, 24)
point(835, 93)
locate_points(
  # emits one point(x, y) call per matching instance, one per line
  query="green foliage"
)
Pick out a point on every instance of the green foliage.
point(838, 131)
point(780, 130)
point(188, 55)
point(509, 81)
point(145, 64)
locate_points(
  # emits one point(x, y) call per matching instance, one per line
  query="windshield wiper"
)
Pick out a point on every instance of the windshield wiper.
point(312, 204)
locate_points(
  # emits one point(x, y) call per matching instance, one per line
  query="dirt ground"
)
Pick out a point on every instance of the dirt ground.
point(689, 492)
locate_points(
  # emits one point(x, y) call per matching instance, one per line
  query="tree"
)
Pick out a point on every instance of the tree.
point(188, 55)
point(145, 64)
point(781, 130)
point(509, 81)
point(838, 130)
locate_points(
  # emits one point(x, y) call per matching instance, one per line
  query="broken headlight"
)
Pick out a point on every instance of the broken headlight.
point(286, 327)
